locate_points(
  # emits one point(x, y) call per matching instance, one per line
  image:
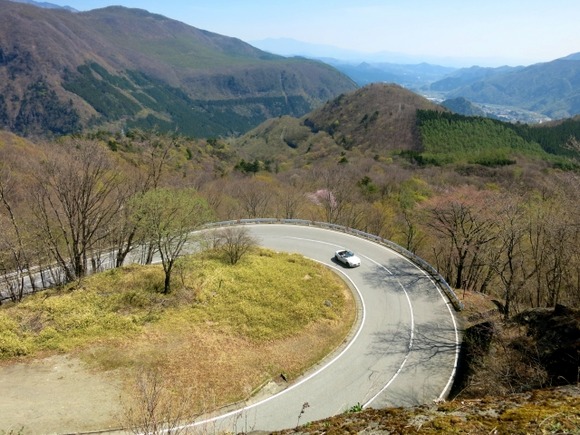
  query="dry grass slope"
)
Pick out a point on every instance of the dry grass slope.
point(221, 334)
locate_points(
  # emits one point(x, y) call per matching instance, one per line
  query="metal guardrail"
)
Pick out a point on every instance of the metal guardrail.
point(433, 273)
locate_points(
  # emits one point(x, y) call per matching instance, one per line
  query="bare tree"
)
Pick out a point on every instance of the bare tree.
point(254, 196)
point(152, 410)
point(75, 203)
point(510, 264)
point(154, 155)
point(15, 249)
point(463, 221)
point(552, 234)
point(407, 196)
point(411, 230)
point(290, 197)
point(213, 192)
point(379, 217)
point(235, 242)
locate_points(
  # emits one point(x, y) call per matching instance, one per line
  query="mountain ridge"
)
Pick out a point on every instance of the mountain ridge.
point(383, 122)
point(551, 88)
point(146, 67)
point(370, 122)
point(45, 5)
point(545, 89)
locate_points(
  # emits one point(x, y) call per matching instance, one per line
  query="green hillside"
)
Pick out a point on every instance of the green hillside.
point(558, 138)
point(135, 100)
point(449, 138)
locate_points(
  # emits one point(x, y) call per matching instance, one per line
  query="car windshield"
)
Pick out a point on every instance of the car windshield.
point(348, 254)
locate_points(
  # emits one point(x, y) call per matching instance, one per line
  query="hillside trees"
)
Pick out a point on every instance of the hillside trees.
point(379, 218)
point(335, 197)
point(15, 245)
point(462, 222)
point(75, 203)
point(166, 218)
point(410, 194)
point(521, 248)
point(553, 235)
point(290, 196)
point(254, 196)
point(42, 111)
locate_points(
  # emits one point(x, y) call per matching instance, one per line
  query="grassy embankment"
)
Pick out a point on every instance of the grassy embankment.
point(224, 329)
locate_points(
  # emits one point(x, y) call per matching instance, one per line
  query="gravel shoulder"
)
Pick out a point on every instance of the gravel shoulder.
point(58, 394)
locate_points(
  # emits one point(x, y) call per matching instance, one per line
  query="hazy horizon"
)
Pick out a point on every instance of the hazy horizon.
point(489, 33)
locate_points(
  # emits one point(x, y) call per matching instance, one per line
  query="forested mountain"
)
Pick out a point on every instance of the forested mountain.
point(468, 76)
point(551, 88)
point(372, 121)
point(61, 72)
point(383, 122)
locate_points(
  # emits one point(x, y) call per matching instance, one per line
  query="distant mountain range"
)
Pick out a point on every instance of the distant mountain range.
point(114, 68)
point(290, 47)
point(62, 72)
point(550, 89)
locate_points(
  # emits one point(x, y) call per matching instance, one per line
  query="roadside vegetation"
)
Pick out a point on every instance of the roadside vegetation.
point(553, 411)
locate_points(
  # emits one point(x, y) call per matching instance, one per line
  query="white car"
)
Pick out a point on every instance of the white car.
point(347, 258)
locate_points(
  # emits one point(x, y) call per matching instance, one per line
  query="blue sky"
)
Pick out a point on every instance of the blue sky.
point(491, 32)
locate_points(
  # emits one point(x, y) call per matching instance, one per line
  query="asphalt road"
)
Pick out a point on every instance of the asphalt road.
point(403, 351)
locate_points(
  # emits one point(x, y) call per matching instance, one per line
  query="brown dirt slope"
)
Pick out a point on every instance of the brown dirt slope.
point(378, 116)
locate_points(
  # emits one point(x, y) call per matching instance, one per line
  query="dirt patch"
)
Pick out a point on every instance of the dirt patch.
point(58, 394)
point(65, 394)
